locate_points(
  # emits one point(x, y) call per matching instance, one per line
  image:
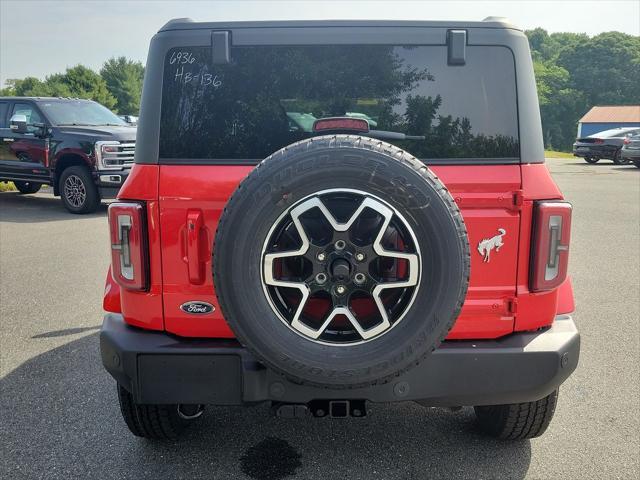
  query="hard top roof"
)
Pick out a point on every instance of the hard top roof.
point(189, 24)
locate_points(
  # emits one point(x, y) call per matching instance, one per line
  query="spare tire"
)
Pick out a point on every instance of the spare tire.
point(341, 261)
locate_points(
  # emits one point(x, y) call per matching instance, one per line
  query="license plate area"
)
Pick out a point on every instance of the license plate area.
point(215, 379)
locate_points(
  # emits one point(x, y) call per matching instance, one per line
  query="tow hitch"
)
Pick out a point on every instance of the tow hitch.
point(321, 408)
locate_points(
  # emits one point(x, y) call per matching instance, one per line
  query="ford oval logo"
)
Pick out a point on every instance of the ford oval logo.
point(197, 308)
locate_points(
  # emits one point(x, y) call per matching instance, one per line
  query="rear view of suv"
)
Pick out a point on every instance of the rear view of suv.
point(327, 214)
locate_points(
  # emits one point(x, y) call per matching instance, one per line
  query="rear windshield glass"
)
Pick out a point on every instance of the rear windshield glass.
point(270, 96)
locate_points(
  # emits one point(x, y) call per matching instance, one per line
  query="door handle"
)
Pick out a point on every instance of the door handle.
point(196, 246)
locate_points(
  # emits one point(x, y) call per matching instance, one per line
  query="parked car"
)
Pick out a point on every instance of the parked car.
point(606, 144)
point(78, 146)
point(631, 149)
point(421, 260)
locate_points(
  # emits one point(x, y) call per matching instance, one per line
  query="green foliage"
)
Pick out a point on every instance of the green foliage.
point(124, 81)
point(118, 87)
point(559, 104)
point(7, 187)
point(82, 82)
point(575, 72)
point(32, 87)
point(606, 68)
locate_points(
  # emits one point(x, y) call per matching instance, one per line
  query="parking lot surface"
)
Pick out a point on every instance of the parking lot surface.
point(60, 414)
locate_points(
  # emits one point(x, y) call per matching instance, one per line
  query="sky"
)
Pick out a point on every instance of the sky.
point(41, 37)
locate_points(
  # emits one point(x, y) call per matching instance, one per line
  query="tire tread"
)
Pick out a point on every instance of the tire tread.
point(157, 422)
point(517, 421)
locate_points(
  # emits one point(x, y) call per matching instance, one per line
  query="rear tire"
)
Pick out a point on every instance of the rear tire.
point(618, 160)
point(78, 190)
point(517, 421)
point(591, 159)
point(157, 422)
point(27, 187)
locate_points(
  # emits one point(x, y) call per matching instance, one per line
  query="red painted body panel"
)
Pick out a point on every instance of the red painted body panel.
point(184, 204)
point(485, 195)
point(535, 310)
point(185, 190)
point(144, 309)
point(566, 302)
point(111, 300)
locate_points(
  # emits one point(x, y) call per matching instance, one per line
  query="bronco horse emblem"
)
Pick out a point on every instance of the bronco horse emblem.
point(486, 245)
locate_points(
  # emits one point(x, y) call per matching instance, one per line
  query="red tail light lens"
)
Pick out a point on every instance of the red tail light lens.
point(353, 124)
point(129, 261)
point(598, 140)
point(626, 140)
point(550, 248)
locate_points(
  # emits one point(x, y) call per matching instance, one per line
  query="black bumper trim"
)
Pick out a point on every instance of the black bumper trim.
point(161, 368)
point(110, 189)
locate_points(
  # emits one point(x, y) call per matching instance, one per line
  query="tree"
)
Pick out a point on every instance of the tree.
point(606, 68)
point(560, 105)
point(10, 89)
point(82, 82)
point(124, 80)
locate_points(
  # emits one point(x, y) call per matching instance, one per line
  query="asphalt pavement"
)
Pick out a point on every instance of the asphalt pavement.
point(59, 412)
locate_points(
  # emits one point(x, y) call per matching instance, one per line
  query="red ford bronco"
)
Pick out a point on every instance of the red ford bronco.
point(327, 214)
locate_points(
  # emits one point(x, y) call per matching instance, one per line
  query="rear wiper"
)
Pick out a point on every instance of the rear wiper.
point(385, 135)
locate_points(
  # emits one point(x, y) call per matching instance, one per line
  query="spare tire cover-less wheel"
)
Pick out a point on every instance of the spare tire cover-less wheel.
point(341, 261)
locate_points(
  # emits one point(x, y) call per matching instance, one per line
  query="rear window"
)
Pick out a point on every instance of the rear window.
point(270, 96)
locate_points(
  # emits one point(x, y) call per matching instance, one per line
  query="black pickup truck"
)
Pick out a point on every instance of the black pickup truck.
point(78, 146)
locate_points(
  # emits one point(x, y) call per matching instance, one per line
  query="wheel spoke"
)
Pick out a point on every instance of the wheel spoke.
point(346, 259)
point(75, 191)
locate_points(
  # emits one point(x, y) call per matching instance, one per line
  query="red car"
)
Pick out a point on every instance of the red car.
point(327, 214)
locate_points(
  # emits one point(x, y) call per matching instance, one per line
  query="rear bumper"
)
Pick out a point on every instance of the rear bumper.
point(630, 153)
point(595, 151)
point(161, 368)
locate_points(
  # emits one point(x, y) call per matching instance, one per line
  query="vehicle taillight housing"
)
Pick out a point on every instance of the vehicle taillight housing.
point(598, 141)
point(129, 260)
point(626, 140)
point(550, 247)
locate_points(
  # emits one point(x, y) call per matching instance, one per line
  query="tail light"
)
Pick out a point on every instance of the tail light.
point(341, 123)
point(626, 140)
point(550, 247)
point(129, 261)
point(598, 140)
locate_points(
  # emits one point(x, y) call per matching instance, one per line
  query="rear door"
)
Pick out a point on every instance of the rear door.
point(219, 119)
